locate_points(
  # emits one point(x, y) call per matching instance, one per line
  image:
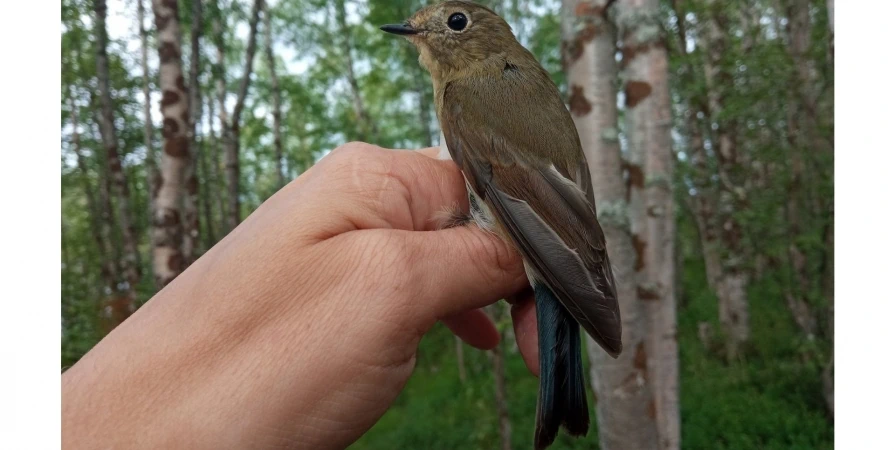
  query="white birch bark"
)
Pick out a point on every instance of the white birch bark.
point(647, 98)
point(167, 234)
point(623, 395)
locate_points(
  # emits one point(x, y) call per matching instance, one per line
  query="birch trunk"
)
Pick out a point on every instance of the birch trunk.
point(107, 216)
point(624, 407)
point(730, 280)
point(277, 100)
point(209, 179)
point(152, 181)
point(220, 66)
point(99, 228)
point(220, 82)
point(167, 235)
point(130, 263)
point(191, 199)
point(424, 106)
point(423, 99)
point(368, 132)
point(497, 357)
point(647, 98)
point(803, 137)
point(215, 172)
point(231, 129)
point(796, 295)
point(829, 280)
point(830, 9)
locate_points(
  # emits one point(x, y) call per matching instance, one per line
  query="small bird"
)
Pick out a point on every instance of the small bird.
point(505, 125)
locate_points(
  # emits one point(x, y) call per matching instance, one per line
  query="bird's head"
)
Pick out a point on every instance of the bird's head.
point(456, 36)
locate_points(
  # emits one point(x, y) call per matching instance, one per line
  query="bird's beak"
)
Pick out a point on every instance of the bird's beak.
point(401, 29)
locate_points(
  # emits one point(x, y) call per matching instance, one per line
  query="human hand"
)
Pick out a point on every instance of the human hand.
point(300, 328)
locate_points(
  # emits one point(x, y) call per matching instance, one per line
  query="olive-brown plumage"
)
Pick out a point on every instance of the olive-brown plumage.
point(507, 128)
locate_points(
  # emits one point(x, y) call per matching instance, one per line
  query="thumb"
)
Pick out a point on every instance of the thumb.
point(463, 268)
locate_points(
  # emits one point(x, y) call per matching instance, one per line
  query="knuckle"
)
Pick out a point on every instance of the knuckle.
point(350, 165)
point(352, 148)
point(352, 152)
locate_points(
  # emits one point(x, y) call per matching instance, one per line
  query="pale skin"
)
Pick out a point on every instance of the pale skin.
point(300, 328)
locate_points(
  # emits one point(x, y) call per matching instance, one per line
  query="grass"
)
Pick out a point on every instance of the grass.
point(769, 400)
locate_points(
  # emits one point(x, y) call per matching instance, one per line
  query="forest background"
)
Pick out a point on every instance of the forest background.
point(708, 126)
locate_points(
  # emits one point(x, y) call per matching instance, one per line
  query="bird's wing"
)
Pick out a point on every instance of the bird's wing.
point(537, 184)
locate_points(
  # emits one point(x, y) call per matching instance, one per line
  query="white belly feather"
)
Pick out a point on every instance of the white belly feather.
point(479, 210)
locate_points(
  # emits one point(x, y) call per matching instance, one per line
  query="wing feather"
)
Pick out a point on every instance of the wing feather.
point(538, 187)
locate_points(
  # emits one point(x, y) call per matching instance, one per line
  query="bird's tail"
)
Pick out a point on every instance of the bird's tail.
point(563, 396)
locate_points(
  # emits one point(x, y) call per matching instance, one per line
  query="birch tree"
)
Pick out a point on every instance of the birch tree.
point(230, 126)
point(497, 313)
point(191, 197)
point(130, 262)
point(215, 172)
point(367, 129)
point(719, 176)
point(624, 407)
point(167, 234)
point(650, 171)
point(99, 228)
point(148, 129)
point(277, 99)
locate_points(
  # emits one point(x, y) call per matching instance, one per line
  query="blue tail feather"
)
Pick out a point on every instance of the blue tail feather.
point(562, 400)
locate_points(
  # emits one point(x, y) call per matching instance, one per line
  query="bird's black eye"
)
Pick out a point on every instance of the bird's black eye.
point(457, 21)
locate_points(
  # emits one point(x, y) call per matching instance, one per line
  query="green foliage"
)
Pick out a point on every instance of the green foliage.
point(770, 399)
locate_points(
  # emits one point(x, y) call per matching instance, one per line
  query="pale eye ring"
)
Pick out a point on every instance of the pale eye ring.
point(457, 21)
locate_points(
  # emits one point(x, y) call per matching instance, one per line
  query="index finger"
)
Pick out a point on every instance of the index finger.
point(392, 189)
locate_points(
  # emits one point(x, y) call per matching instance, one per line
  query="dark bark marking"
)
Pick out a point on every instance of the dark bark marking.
point(169, 127)
point(114, 161)
point(640, 359)
point(629, 52)
point(168, 52)
point(652, 412)
point(158, 180)
point(645, 293)
point(635, 92)
point(169, 98)
point(572, 50)
point(578, 102)
point(639, 246)
point(589, 9)
point(588, 34)
point(192, 185)
point(636, 177)
point(177, 147)
point(170, 217)
point(120, 308)
point(161, 22)
point(175, 262)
